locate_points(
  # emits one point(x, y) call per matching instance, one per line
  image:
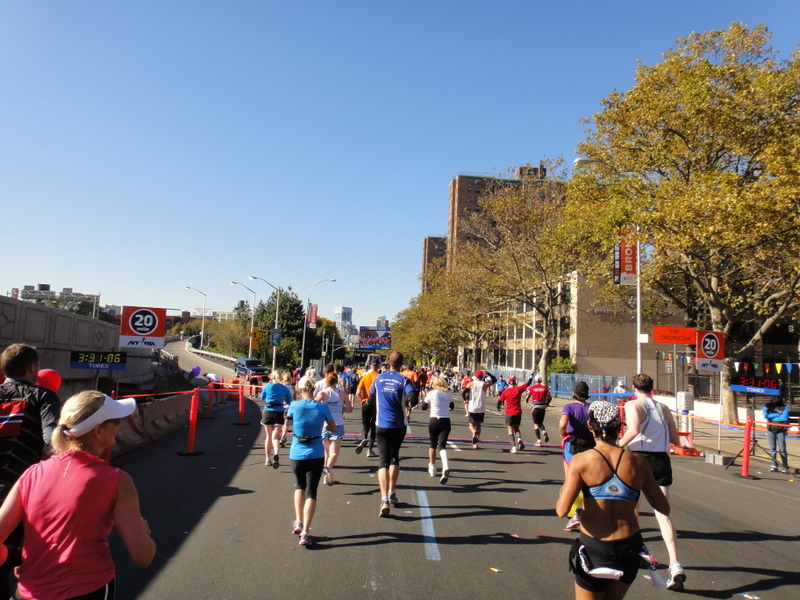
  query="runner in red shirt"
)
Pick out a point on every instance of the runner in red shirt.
point(512, 397)
point(540, 399)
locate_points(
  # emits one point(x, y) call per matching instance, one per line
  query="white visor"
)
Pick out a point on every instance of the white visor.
point(111, 409)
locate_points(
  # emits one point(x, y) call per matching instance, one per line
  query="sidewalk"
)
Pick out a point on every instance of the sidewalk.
point(728, 440)
point(709, 437)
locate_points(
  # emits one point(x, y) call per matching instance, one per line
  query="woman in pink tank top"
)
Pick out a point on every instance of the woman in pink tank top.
point(69, 503)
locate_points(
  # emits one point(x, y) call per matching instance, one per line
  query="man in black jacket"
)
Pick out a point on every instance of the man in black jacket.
point(30, 413)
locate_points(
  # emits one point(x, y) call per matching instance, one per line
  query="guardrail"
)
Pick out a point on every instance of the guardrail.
point(193, 350)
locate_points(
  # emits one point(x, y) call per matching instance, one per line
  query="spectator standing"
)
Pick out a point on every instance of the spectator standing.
point(393, 394)
point(650, 429)
point(540, 399)
point(777, 415)
point(23, 441)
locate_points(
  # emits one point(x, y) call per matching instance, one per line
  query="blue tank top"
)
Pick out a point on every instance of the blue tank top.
point(612, 488)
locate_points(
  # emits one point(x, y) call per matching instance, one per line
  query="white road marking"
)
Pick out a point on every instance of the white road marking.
point(429, 535)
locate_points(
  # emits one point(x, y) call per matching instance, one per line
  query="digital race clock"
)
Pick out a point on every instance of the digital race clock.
point(758, 382)
point(97, 360)
point(756, 385)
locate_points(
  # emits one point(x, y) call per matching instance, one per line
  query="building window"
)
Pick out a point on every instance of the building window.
point(565, 293)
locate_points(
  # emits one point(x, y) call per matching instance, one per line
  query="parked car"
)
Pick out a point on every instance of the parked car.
point(248, 368)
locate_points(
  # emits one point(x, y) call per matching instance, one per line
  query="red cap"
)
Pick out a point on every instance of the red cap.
point(478, 373)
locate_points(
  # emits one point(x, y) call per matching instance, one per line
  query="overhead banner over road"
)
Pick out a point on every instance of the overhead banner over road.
point(142, 327)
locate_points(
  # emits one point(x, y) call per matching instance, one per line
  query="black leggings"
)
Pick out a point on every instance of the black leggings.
point(389, 443)
point(439, 430)
point(368, 423)
point(307, 474)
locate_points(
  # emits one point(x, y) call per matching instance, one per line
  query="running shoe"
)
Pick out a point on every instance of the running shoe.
point(393, 499)
point(676, 577)
point(773, 469)
point(432, 469)
point(283, 442)
point(384, 508)
point(538, 443)
point(275, 462)
point(268, 462)
point(360, 447)
point(521, 444)
point(297, 527)
point(546, 437)
point(305, 539)
point(574, 523)
point(445, 475)
point(785, 471)
point(371, 454)
point(513, 449)
point(328, 476)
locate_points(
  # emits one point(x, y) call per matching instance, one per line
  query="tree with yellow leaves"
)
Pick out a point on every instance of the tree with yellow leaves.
point(701, 158)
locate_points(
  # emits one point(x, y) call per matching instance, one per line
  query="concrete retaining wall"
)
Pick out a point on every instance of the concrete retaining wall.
point(55, 333)
point(152, 421)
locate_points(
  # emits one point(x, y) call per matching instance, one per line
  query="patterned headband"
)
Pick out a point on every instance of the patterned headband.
point(604, 412)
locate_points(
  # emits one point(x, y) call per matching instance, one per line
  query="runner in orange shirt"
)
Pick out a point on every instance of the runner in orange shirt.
point(367, 409)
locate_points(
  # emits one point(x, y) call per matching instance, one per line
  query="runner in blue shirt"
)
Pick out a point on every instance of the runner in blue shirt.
point(392, 394)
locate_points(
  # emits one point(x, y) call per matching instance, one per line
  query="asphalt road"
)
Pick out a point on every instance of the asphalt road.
point(222, 523)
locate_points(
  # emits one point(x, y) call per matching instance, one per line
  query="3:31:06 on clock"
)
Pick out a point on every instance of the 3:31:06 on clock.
point(98, 360)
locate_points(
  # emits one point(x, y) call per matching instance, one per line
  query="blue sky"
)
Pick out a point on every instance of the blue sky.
point(146, 146)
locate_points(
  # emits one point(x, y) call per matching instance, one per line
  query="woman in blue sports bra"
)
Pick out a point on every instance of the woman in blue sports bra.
point(606, 557)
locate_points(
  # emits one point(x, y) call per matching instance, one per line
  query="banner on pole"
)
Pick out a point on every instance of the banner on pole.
point(312, 317)
point(625, 266)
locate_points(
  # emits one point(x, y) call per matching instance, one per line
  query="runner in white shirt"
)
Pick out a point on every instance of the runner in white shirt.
point(335, 396)
point(441, 403)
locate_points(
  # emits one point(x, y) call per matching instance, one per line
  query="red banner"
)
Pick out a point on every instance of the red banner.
point(627, 262)
point(312, 316)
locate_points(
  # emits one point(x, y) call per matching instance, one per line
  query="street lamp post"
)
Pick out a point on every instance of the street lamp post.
point(203, 325)
point(252, 318)
point(305, 322)
point(582, 162)
point(277, 306)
